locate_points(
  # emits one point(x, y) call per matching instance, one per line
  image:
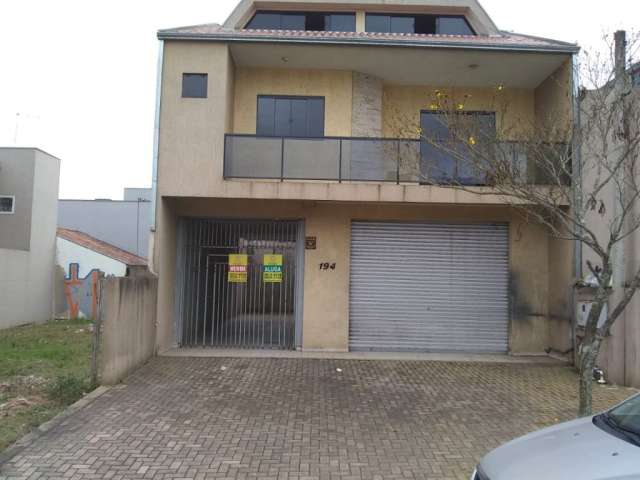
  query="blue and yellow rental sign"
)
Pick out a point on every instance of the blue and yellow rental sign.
point(272, 269)
point(238, 268)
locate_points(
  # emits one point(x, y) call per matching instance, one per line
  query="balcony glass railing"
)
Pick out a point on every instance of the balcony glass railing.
point(356, 159)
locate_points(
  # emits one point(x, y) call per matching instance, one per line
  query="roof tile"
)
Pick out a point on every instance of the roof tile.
point(104, 248)
point(505, 39)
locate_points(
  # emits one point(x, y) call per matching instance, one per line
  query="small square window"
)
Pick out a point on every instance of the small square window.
point(194, 85)
point(7, 204)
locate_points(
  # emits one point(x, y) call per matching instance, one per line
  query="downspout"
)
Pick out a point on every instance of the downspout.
point(156, 148)
point(618, 254)
point(577, 191)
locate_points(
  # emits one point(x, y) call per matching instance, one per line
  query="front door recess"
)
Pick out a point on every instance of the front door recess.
point(237, 283)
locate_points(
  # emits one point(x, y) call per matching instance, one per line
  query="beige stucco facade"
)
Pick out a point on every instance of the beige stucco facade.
point(553, 103)
point(334, 85)
point(532, 261)
point(514, 108)
point(191, 183)
point(192, 131)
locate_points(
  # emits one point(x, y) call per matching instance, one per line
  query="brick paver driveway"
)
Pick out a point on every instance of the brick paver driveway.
point(303, 419)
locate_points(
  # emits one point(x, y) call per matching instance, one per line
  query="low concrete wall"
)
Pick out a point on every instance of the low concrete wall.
point(128, 317)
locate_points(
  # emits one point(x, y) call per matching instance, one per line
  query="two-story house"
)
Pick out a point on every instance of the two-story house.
point(294, 211)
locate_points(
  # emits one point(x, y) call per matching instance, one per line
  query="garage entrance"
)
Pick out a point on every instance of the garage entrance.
point(429, 287)
point(238, 283)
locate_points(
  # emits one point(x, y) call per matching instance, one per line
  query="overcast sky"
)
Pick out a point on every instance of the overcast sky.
point(77, 77)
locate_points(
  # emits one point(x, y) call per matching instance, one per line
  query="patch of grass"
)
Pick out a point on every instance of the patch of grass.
point(67, 389)
point(16, 424)
point(55, 348)
point(44, 368)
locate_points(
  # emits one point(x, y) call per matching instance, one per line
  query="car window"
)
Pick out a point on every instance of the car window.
point(627, 415)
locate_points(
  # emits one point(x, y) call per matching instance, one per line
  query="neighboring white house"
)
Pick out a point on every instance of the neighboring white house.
point(84, 259)
point(28, 215)
point(93, 254)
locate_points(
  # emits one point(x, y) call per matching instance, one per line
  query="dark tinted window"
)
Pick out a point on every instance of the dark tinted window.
point(453, 26)
point(290, 116)
point(292, 22)
point(299, 123)
point(403, 24)
point(436, 165)
point(315, 117)
point(443, 164)
point(316, 21)
point(341, 22)
point(194, 85)
point(378, 23)
point(266, 116)
point(426, 24)
point(6, 204)
point(283, 122)
point(265, 21)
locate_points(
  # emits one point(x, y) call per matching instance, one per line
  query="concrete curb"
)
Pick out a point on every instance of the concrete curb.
point(375, 356)
point(35, 434)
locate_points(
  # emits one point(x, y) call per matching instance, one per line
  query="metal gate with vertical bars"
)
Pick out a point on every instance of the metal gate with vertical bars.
point(429, 287)
point(212, 310)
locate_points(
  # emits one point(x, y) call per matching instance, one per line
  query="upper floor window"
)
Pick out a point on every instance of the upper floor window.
point(194, 85)
point(441, 150)
point(429, 24)
point(285, 116)
point(315, 21)
point(7, 204)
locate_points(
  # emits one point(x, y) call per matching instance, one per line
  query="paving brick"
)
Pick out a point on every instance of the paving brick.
point(295, 419)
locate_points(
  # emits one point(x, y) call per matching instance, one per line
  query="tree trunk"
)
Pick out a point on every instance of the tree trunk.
point(588, 356)
point(586, 386)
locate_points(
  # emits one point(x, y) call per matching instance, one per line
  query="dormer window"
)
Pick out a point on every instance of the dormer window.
point(312, 21)
point(427, 24)
point(453, 26)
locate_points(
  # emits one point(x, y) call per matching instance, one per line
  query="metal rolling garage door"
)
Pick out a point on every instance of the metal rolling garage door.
point(429, 287)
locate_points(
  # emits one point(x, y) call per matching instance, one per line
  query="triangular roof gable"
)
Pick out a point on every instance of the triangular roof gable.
point(476, 15)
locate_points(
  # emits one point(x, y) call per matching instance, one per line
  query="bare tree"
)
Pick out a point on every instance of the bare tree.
point(570, 176)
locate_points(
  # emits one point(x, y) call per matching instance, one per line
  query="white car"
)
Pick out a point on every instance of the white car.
point(602, 447)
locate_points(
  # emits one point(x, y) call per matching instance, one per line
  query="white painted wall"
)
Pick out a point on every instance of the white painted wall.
point(69, 252)
point(14, 282)
point(26, 276)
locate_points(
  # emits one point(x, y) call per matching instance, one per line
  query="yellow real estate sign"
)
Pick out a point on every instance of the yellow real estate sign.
point(272, 269)
point(238, 268)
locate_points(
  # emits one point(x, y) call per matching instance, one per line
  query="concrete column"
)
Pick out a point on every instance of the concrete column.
point(360, 21)
point(366, 116)
point(166, 248)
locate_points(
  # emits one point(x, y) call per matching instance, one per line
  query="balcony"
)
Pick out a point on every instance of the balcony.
point(348, 159)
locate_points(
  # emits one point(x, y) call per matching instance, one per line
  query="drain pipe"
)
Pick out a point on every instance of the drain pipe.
point(156, 147)
point(621, 89)
point(577, 192)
